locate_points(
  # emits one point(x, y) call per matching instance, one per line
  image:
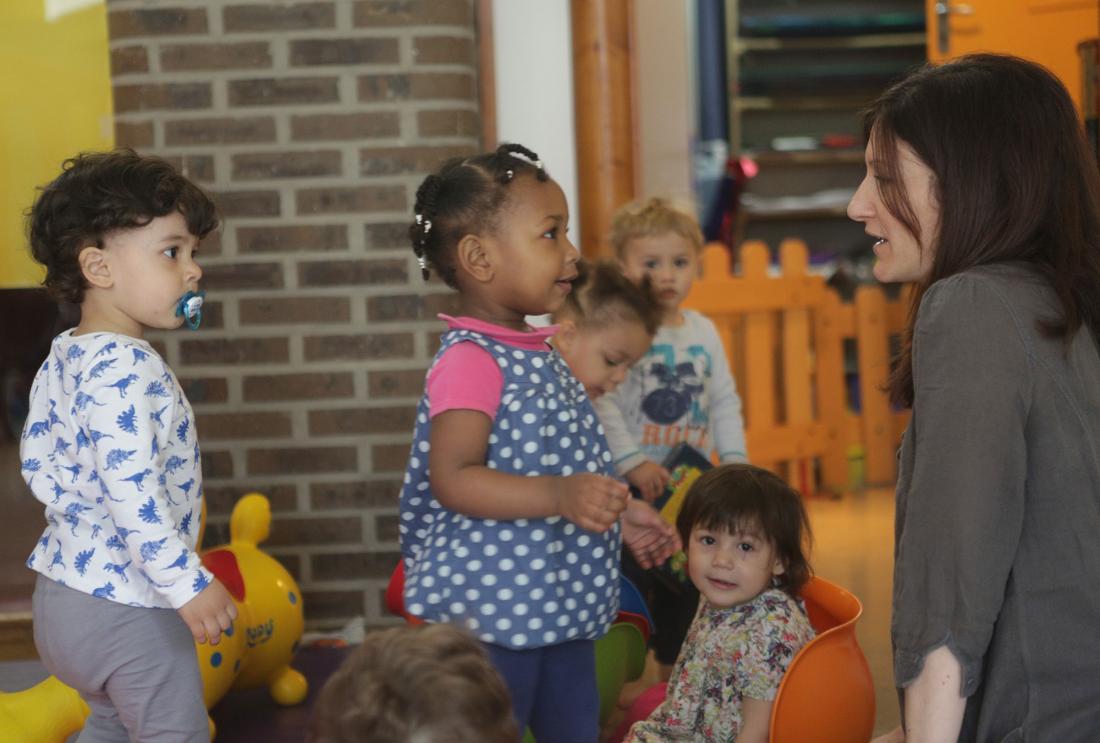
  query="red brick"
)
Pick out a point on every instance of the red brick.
point(354, 565)
point(333, 605)
point(386, 528)
point(294, 310)
point(457, 50)
point(375, 13)
point(302, 386)
point(260, 425)
point(417, 86)
point(292, 238)
point(328, 530)
point(406, 160)
point(338, 200)
point(247, 203)
point(220, 131)
point(361, 421)
point(372, 346)
point(301, 461)
point(240, 55)
point(293, 565)
point(448, 124)
point(162, 97)
point(235, 351)
point(216, 464)
point(127, 60)
point(135, 134)
point(228, 276)
point(279, 17)
point(388, 235)
point(123, 24)
point(344, 126)
point(353, 272)
point(396, 383)
point(197, 168)
point(410, 306)
point(205, 389)
point(213, 316)
point(353, 495)
point(212, 243)
point(283, 91)
point(313, 52)
point(221, 498)
point(262, 165)
point(390, 457)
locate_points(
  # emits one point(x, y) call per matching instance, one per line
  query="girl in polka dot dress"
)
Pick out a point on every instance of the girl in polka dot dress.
point(510, 514)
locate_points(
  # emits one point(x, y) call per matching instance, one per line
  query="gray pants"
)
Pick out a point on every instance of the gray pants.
point(135, 667)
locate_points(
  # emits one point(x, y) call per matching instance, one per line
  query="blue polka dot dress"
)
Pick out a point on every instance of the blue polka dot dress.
point(526, 583)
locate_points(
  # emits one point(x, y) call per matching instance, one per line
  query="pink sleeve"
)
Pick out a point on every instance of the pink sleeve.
point(466, 377)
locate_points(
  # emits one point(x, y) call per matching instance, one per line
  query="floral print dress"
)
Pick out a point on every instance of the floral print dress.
point(729, 654)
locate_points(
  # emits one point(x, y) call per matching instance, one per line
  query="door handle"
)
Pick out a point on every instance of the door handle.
point(943, 31)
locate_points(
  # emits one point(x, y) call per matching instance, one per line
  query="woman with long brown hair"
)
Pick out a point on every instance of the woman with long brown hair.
point(982, 192)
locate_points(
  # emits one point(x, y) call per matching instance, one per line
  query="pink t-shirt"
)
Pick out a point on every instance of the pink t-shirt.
point(466, 376)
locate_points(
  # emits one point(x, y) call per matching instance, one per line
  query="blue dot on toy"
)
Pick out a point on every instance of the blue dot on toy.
point(293, 597)
point(229, 632)
point(216, 659)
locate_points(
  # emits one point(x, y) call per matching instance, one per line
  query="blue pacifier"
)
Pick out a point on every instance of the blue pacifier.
point(190, 309)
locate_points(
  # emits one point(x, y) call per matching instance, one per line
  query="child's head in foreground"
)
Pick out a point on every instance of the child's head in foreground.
point(744, 530)
point(656, 239)
point(494, 227)
point(429, 683)
point(117, 233)
point(606, 324)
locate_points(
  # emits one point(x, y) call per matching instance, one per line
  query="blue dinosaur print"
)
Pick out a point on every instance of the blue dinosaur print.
point(117, 457)
point(106, 349)
point(31, 465)
point(36, 429)
point(74, 352)
point(145, 575)
point(57, 559)
point(77, 378)
point(186, 487)
point(156, 389)
point(72, 515)
point(185, 524)
point(148, 512)
point(151, 549)
point(55, 419)
point(173, 464)
point(156, 417)
point(82, 401)
point(118, 569)
point(44, 541)
point(181, 432)
point(82, 440)
point(115, 543)
point(123, 384)
point(75, 469)
point(103, 366)
point(60, 446)
point(81, 561)
point(125, 533)
point(97, 435)
point(181, 561)
point(154, 447)
point(106, 591)
point(126, 420)
point(201, 582)
point(58, 491)
point(96, 529)
point(138, 478)
point(139, 355)
point(52, 521)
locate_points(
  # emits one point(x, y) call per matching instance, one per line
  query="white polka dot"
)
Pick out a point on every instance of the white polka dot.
point(504, 624)
point(571, 604)
point(459, 579)
point(493, 438)
point(538, 535)
point(537, 594)
point(505, 564)
point(519, 639)
point(517, 354)
point(549, 637)
point(457, 607)
point(473, 566)
point(566, 470)
point(522, 550)
point(444, 571)
point(517, 369)
point(590, 598)
point(571, 558)
point(583, 540)
point(521, 580)
point(534, 623)
point(551, 607)
point(472, 594)
point(416, 609)
point(562, 620)
point(476, 536)
point(462, 553)
point(505, 535)
point(488, 580)
point(414, 463)
point(427, 581)
point(423, 446)
point(538, 563)
point(491, 550)
point(517, 463)
point(529, 418)
point(531, 447)
point(488, 609)
point(599, 581)
point(519, 609)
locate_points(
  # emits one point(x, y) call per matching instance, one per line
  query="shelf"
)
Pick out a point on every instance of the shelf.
point(801, 103)
point(807, 157)
point(817, 212)
point(862, 41)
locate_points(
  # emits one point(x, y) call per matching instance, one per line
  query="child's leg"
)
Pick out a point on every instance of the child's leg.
point(520, 671)
point(567, 707)
point(136, 667)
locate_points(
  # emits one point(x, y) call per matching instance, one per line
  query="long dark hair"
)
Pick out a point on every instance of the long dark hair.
point(1014, 177)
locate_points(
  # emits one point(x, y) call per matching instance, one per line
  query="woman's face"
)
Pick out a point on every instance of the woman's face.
point(900, 255)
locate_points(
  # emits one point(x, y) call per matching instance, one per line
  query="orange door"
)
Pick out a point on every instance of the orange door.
point(1044, 31)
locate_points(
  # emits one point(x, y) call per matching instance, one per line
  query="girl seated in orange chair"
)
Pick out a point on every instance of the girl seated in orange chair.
point(745, 531)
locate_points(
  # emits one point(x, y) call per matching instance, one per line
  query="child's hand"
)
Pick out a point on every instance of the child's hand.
point(592, 502)
point(210, 612)
point(649, 537)
point(650, 478)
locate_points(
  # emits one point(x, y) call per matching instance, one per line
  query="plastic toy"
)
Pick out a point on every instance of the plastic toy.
point(255, 651)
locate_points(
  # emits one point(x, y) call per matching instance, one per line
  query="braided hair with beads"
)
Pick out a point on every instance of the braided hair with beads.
point(463, 198)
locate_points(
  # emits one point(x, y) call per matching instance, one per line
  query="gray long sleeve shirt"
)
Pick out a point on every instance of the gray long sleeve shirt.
point(998, 509)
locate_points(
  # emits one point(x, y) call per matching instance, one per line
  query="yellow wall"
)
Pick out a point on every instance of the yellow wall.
point(56, 83)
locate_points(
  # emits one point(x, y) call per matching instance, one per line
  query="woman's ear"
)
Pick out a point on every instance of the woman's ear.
point(473, 257)
point(95, 267)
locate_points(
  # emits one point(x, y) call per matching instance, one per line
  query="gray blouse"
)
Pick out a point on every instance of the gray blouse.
point(997, 541)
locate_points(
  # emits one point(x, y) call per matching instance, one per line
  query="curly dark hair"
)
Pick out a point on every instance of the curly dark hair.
point(602, 293)
point(464, 198)
point(430, 682)
point(98, 193)
point(742, 496)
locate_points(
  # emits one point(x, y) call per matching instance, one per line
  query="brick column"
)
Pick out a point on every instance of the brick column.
point(312, 124)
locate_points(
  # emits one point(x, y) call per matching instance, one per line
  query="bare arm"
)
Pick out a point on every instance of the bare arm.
point(933, 705)
point(756, 718)
point(462, 482)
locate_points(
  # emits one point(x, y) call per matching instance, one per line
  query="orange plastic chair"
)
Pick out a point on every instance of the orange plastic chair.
point(827, 693)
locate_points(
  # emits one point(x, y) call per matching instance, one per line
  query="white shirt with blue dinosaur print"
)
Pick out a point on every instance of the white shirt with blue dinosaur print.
point(110, 448)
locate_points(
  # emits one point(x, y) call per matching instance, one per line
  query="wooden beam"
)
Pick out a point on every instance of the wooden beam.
point(604, 116)
point(486, 88)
